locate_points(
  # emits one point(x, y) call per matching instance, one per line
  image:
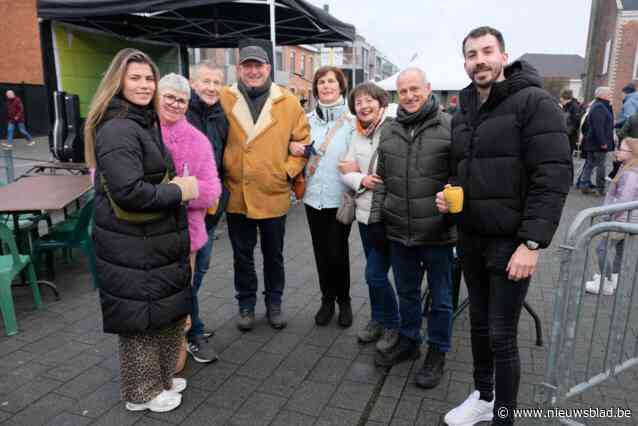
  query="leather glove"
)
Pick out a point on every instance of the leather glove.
point(376, 234)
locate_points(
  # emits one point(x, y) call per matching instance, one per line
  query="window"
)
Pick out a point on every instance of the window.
point(229, 56)
point(280, 59)
point(364, 58)
point(607, 57)
point(293, 61)
point(303, 65)
point(311, 64)
point(635, 73)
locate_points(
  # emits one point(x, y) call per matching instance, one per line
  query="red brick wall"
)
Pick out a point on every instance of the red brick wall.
point(603, 31)
point(301, 85)
point(625, 61)
point(20, 35)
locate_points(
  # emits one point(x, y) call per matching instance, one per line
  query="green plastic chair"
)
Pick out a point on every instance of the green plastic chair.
point(77, 236)
point(10, 265)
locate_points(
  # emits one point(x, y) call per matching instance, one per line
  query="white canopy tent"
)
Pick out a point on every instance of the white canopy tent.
point(443, 75)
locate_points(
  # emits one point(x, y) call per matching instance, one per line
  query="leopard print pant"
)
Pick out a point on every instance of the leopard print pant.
point(147, 362)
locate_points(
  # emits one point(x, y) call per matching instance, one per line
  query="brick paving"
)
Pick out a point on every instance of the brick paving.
point(62, 370)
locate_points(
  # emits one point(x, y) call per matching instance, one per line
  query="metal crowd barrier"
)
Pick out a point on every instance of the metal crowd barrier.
point(7, 165)
point(594, 338)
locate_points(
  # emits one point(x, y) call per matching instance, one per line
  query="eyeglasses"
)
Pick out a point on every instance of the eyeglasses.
point(172, 99)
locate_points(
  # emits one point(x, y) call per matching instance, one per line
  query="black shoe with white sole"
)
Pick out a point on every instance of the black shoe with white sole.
point(202, 351)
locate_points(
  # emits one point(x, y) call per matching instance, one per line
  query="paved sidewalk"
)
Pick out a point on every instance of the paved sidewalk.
point(62, 370)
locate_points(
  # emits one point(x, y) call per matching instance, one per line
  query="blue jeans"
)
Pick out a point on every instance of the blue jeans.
point(10, 129)
point(243, 237)
point(612, 267)
point(595, 160)
point(202, 263)
point(383, 300)
point(408, 265)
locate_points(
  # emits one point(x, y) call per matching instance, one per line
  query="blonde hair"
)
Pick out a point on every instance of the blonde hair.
point(110, 86)
point(632, 144)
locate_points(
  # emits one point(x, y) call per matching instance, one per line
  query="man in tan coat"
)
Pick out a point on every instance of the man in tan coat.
point(264, 119)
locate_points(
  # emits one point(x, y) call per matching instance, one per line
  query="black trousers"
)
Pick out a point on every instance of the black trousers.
point(495, 308)
point(243, 237)
point(332, 255)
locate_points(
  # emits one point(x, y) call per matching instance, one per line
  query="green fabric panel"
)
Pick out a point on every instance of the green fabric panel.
point(83, 57)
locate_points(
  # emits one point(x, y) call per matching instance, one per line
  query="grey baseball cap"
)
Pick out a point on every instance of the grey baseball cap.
point(253, 53)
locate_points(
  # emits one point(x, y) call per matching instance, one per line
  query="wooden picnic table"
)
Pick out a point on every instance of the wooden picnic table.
point(42, 193)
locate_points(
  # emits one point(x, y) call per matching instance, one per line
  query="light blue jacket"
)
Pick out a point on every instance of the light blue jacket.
point(325, 187)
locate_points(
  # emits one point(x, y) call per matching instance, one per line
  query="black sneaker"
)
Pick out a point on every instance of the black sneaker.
point(429, 376)
point(345, 314)
point(208, 333)
point(405, 350)
point(325, 313)
point(201, 351)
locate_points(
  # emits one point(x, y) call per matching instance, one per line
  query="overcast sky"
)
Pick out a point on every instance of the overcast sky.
point(435, 28)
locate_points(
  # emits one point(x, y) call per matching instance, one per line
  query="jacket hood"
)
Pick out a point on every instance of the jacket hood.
point(121, 108)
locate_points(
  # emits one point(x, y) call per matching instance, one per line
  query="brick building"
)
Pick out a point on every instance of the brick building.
point(612, 47)
point(20, 37)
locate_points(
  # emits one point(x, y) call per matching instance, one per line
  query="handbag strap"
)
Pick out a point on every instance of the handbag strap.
point(375, 154)
point(313, 163)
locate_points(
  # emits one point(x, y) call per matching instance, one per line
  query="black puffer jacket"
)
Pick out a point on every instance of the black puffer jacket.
point(414, 164)
point(513, 158)
point(211, 121)
point(143, 268)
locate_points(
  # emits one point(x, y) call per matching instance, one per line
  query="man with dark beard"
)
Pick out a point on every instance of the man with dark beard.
point(511, 157)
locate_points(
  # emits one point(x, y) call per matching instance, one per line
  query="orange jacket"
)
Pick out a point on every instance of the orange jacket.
point(258, 165)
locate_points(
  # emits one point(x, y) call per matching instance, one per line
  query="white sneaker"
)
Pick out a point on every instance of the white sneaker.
point(472, 411)
point(609, 285)
point(165, 401)
point(178, 386)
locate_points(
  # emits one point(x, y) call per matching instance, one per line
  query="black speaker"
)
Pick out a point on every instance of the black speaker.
point(59, 125)
point(68, 143)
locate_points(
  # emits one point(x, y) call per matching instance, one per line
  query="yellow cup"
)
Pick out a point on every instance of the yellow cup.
point(454, 197)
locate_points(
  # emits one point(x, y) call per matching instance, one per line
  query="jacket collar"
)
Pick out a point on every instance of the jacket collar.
point(240, 112)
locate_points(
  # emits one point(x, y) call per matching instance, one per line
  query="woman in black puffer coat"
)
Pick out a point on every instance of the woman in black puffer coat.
point(141, 232)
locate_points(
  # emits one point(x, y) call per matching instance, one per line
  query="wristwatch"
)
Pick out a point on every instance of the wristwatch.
point(532, 245)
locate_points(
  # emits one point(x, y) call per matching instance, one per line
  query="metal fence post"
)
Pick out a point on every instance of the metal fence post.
point(7, 164)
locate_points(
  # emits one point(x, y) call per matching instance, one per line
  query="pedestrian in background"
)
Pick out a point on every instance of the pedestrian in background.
point(623, 189)
point(598, 139)
point(140, 233)
point(15, 118)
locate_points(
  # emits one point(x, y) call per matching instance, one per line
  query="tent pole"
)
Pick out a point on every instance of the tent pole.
point(354, 66)
point(272, 35)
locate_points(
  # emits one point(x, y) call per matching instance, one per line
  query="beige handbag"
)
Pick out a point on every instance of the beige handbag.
point(346, 211)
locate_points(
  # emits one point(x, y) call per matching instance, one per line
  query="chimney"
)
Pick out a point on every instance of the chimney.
point(326, 7)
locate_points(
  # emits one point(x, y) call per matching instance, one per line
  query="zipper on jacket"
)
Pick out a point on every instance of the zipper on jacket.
point(407, 186)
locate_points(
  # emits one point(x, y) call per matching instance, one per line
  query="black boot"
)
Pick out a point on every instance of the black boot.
point(325, 313)
point(429, 376)
point(345, 314)
point(405, 350)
